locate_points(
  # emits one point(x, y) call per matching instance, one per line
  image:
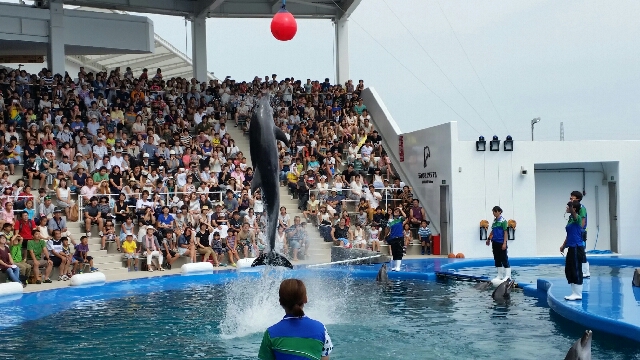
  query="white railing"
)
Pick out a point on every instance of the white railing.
point(166, 198)
point(384, 202)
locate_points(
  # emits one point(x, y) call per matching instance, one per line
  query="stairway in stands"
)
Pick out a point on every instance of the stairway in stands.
point(319, 251)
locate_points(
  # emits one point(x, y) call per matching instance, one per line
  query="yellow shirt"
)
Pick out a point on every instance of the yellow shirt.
point(129, 247)
point(117, 115)
point(292, 177)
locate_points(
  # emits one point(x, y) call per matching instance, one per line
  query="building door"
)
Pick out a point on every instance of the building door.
point(445, 243)
point(613, 216)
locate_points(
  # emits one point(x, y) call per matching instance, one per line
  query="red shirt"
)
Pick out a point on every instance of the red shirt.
point(24, 196)
point(25, 228)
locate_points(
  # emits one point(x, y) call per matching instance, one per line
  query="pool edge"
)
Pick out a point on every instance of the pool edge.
point(570, 310)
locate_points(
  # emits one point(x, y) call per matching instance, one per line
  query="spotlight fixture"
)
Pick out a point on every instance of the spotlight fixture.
point(508, 143)
point(494, 145)
point(481, 144)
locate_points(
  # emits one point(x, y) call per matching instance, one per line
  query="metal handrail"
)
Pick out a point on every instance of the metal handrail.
point(348, 190)
point(166, 196)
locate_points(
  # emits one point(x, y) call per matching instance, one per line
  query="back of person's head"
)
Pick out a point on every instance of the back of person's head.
point(293, 296)
point(577, 194)
point(576, 205)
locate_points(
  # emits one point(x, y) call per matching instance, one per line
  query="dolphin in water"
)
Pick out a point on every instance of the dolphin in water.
point(264, 157)
point(382, 276)
point(503, 292)
point(484, 285)
point(581, 349)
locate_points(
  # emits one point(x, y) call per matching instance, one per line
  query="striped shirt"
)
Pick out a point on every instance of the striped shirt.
point(424, 232)
point(185, 140)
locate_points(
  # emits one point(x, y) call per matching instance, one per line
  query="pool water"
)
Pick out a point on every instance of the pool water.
point(406, 319)
point(530, 274)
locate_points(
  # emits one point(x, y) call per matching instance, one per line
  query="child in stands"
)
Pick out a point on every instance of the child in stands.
point(66, 250)
point(82, 257)
point(130, 252)
point(109, 234)
point(374, 242)
point(407, 237)
point(358, 237)
point(218, 249)
point(231, 247)
point(425, 237)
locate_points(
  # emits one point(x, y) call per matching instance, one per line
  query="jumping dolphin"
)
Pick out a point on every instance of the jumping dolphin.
point(503, 292)
point(383, 277)
point(264, 157)
point(581, 349)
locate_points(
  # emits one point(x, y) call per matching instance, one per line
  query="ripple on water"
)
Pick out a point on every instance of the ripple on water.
point(403, 320)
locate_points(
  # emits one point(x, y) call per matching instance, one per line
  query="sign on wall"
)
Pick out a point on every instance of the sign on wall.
point(401, 148)
point(426, 177)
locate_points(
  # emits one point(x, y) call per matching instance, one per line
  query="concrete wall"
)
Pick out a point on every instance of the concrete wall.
point(551, 188)
point(410, 166)
point(537, 200)
point(122, 33)
point(24, 30)
point(23, 23)
point(427, 165)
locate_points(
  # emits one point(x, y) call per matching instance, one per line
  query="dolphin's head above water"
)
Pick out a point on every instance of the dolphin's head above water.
point(503, 292)
point(382, 274)
point(581, 349)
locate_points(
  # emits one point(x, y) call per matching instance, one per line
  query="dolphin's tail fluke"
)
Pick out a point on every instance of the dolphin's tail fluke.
point(272, 259)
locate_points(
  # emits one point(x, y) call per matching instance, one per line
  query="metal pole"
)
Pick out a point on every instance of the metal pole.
point(532, 130)
point(533, 122)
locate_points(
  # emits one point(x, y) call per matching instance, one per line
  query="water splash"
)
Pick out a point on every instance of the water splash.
point(252, 304)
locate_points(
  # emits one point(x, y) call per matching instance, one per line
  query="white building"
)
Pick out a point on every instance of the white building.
point(459, 185)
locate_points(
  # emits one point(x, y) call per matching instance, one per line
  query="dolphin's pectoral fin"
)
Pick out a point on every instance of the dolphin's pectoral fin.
point(272, 259)
point(256, 182)
point(281, 136)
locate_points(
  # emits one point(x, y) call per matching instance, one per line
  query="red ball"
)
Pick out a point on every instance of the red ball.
point(283, 25)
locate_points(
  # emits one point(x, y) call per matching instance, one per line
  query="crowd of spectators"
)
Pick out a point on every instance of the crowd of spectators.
point(138, 151)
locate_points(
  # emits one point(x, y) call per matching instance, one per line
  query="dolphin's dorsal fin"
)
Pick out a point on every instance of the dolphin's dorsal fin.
point(281, 136)
point(256, 182)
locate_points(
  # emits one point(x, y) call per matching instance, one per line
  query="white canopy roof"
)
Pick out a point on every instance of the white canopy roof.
point(172, 61)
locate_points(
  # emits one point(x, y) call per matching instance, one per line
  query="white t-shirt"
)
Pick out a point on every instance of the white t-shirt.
point(285, 219)
point(101, 151)
point(197, 117)
point(366, 151)
point(258, 206)
point(223, 230)
point(373, 234)
point(356, 188)
point(181, 179)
